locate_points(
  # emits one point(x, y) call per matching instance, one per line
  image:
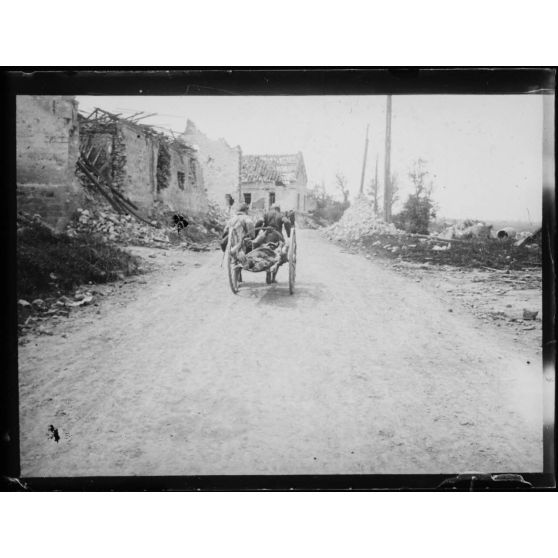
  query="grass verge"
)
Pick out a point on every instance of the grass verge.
point(49, 263)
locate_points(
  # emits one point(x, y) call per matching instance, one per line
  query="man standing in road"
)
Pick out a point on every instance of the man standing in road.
point(242, 233)
point(240, 226)
point(276, 220)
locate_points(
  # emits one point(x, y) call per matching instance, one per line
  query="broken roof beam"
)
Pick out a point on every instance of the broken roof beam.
point(107, 114)
point(103, 116)
point(88, 117)
point(134, 115)
point(142, 117)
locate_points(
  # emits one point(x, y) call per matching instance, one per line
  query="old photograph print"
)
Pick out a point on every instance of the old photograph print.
point(279, 285)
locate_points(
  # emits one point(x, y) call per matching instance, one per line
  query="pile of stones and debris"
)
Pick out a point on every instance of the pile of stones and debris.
point(465, 244)
point(110, 226)
point(114, 227)
point(466, 230)
point(359, 220)
point(469, 229)
point(203, 233)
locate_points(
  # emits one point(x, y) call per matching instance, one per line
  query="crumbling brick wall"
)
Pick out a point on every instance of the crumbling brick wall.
point(135, 164)
point(183, 194)
point(47, 149)
point(219, 162)
point(145, 166)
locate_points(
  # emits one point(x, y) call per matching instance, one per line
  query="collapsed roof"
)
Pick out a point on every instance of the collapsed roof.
point(103, 118)
point(277, 169)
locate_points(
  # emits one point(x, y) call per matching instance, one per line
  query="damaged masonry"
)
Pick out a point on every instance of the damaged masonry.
point(143, 164)
point(92, 186)
point(103, 162)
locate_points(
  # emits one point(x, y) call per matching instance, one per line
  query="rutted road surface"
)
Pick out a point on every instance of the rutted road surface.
point(360, 371)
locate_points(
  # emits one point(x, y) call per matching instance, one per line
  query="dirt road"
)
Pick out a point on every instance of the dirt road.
point(361, 371)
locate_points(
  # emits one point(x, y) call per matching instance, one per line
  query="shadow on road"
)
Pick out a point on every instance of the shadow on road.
point(278, 294)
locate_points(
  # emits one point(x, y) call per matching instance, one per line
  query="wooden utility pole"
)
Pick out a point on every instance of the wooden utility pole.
point(376, 187)
point(239, 201)
point(364, 161)
point(387, 167)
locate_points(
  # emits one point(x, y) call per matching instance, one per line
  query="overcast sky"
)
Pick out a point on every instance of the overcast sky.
point(484, 151)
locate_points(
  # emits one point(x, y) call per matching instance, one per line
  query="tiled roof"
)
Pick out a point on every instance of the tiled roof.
point(271, 168)
point(255, 169)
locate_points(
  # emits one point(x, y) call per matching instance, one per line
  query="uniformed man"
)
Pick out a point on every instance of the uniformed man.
point(275, 220)
point(241, 229)
point(240, 226)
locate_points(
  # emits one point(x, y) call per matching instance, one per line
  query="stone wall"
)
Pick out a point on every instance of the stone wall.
point(186, 193)
point(48, 143)
point(134, 152)
point(220, 164)
point(137, 152)
point(47, 149)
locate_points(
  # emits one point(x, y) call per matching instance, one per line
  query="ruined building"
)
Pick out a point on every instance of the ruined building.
point(145, 165)
point(269, 179)
point(47, 148)
point(148, 167)
point(220, 164)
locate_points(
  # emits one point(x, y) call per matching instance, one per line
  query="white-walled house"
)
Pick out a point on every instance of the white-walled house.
point(269, 179)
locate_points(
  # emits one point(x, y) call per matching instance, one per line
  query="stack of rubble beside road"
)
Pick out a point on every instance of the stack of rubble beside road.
point(110, 226)
point(466, 230)
point(114, 227)
point(358, 221)
point(470, 245)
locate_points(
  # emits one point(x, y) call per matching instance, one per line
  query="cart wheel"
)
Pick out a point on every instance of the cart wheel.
point(292, 262)
point(232, 270)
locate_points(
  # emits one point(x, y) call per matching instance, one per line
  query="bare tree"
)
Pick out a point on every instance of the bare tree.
point(341, 183)
point(418, 175)
point(319, 191)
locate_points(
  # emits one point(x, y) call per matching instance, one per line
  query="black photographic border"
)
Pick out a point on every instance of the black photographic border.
point(201, 81)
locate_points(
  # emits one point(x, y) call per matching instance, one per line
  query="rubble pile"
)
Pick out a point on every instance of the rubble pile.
point(531, 240)
point(212, 223)
point(114, 227)
point(110, 226)
point(358, 221)
point(466, 230)
point(202, 233)
point(216, 215)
